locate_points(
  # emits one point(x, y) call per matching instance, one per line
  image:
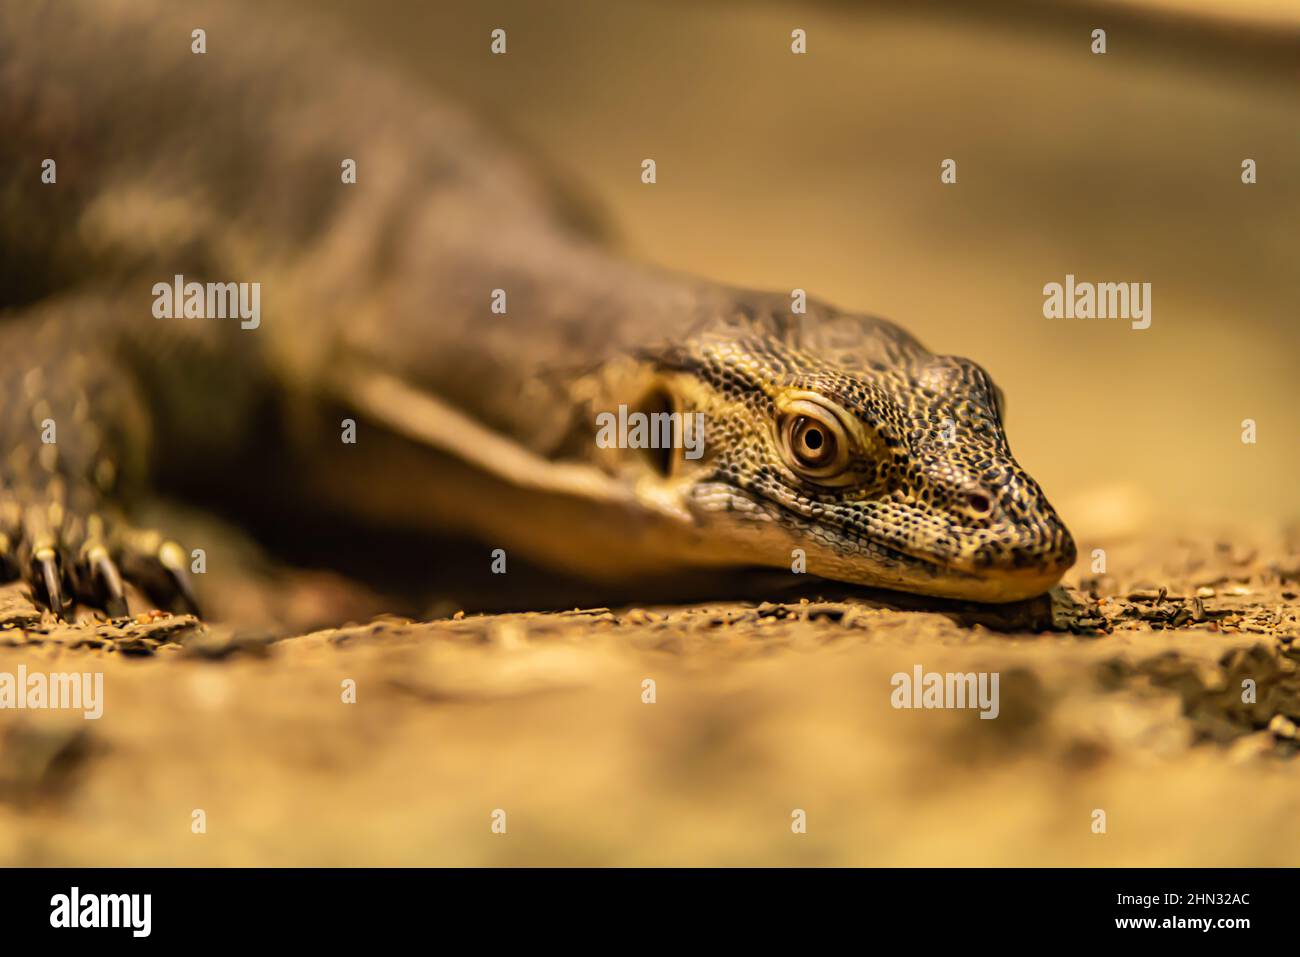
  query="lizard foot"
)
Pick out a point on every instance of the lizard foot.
point(74, 448)
point(68, 559)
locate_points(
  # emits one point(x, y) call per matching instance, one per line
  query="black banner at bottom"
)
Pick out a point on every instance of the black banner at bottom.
point(336, 906)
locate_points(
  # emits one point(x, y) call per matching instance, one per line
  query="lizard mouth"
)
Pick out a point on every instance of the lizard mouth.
point(896, 565)
point(960, 577)
point(766, 531)
point(1024, 566)
point(835, 550)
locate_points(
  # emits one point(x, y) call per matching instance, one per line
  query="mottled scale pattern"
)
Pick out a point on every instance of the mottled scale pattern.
point(929, 496)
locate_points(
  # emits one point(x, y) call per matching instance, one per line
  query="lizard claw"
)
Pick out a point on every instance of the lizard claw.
point(106, 581)
point(158, 567)
point(45, 561)
point(172, 559)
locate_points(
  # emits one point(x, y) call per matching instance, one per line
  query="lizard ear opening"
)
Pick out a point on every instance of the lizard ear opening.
point(659, 408)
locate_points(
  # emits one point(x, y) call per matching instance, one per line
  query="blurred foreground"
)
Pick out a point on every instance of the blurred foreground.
point(1132, 707)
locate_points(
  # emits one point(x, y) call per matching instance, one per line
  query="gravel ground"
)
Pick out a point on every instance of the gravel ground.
point(1123, 693)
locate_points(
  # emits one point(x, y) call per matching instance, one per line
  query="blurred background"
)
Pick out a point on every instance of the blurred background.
point(821, 172)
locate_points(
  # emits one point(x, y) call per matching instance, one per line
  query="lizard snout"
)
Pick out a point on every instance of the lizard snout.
point(1040, 551)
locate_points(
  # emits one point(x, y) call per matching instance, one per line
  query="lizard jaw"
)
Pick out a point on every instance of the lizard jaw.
point(757, 532)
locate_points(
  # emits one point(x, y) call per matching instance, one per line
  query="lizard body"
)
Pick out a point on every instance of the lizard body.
point(834, 433)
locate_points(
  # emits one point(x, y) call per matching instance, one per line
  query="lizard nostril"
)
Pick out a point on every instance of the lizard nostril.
point(979, 504)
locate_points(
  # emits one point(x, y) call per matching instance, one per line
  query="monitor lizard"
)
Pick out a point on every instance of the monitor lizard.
point(832, 438)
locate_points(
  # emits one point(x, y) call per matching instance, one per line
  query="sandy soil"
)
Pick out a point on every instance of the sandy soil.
point(1122, 693)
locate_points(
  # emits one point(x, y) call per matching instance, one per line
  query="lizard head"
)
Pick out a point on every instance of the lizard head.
point(886, 465)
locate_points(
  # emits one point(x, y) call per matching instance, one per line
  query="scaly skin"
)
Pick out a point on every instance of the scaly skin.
point(225, 167)
point(887, 465)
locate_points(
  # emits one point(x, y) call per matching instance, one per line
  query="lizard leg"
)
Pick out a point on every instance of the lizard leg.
point(75, 440)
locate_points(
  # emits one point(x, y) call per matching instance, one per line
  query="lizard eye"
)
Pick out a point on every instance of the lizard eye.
point(813, 446)
point(813, 441)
